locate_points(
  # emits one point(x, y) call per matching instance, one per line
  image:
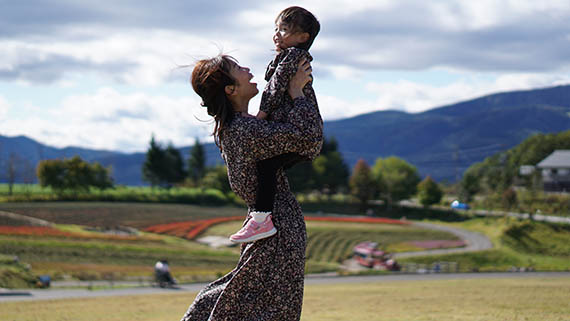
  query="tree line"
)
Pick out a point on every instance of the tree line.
point(390, 179)
point(499, 172)
point(73, 174)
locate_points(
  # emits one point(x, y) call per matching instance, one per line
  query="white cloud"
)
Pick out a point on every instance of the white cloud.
point(4, 107)
point(109, 120)
point(494, 46)
point(417, 97)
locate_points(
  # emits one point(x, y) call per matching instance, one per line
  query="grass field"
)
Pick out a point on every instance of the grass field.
point(541, 246)
point(544, 299)
point(183, 195)
point(138, 215)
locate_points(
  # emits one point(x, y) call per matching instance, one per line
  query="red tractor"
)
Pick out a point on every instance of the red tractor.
point(367, 254)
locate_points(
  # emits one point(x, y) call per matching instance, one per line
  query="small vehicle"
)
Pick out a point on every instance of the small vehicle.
point(43, 281)
point(367, 254)
point(458, 205)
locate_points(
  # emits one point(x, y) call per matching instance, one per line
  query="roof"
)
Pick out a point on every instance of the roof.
point(558, 159)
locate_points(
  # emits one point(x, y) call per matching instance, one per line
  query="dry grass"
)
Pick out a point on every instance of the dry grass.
point(466, 300)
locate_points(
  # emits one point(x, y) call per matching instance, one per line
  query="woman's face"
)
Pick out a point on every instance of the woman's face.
point(243, 88)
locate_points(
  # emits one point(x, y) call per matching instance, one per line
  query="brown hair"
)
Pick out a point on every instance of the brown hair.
point(209, 80)
point(301, 19)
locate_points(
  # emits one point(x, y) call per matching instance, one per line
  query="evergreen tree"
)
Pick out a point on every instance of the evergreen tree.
point(429, 192)
point(153, 164)
point(197, 162)
point(362, 185)
point(173, 166)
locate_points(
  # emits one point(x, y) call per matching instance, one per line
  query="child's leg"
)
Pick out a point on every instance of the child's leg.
point(267, 179)
point(261, 225)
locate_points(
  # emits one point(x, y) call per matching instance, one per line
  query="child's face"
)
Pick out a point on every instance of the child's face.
point(285, 36)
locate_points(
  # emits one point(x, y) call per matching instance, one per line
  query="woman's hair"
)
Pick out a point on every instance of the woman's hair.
point(301, 19)
point(209, 80)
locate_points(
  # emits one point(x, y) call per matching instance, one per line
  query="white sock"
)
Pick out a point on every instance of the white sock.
point(259, 216)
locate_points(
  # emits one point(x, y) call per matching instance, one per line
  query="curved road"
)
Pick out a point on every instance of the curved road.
point(475, 241)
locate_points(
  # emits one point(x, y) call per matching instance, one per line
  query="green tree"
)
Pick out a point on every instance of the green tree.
point(469, 186)
point(362, 185)
point(73, 174)
point(51, 173)
point(153, 164)
point(101, 177)
point(498, 172)
point(429, 192)
point(78, 174)
point(197, 162)
point(217, 177)
point(331, 171)
point(328, 172)
point(172, 166)
point(396, 178)
point(301, 177)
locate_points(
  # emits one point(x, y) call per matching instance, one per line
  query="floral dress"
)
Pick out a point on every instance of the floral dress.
point(267, 283)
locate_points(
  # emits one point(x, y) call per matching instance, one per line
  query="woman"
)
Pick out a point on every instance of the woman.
point(267, 283)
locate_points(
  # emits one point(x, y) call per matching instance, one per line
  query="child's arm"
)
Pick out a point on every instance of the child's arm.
point(276, 89)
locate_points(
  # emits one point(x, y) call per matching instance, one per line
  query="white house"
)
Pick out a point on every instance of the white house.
point(556, 171)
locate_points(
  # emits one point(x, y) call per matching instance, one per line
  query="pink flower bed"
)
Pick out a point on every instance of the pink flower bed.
point(191, 229)
point(437, 244)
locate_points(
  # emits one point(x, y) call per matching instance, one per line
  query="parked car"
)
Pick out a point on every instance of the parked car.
point(458, 205)
point(367, 254)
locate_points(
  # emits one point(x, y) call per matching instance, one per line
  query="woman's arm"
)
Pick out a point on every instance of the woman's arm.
point(261, 139)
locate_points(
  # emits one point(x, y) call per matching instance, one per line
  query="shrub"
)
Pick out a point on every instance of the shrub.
point(429, 192)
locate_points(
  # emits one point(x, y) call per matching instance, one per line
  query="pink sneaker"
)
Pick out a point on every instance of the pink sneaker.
point(253, 231)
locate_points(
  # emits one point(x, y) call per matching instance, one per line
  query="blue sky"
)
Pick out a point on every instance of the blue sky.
point(105, 74)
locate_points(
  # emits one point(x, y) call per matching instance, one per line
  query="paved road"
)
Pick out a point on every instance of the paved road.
point(55, 294)
point(475, 241)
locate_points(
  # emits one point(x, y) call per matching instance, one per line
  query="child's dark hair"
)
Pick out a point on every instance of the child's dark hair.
point(209, 80)
point(301, 19)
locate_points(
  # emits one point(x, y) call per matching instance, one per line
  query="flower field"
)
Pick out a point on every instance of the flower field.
point(33, 231)
point(191, 229)
point(438, 244)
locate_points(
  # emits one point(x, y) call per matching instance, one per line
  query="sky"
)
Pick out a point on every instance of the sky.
point(109, 74)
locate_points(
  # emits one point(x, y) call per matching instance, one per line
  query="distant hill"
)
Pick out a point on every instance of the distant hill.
point(441, 142)
point(127, 167)
point(445, 141)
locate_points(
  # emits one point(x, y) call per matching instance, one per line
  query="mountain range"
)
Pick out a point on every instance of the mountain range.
point(441, 142)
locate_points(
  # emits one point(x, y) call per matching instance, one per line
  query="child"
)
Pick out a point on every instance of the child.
point(295, 31)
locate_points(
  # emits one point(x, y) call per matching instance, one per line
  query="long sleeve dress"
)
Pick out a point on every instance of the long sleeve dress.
point(267, 283)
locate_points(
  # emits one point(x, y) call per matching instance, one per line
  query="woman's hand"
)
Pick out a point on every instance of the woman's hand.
point(300, 79)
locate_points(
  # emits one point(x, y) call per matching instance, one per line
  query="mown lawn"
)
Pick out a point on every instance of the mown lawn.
point(544, 299)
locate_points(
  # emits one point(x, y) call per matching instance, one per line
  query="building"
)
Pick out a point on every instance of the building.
point(556, 171)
